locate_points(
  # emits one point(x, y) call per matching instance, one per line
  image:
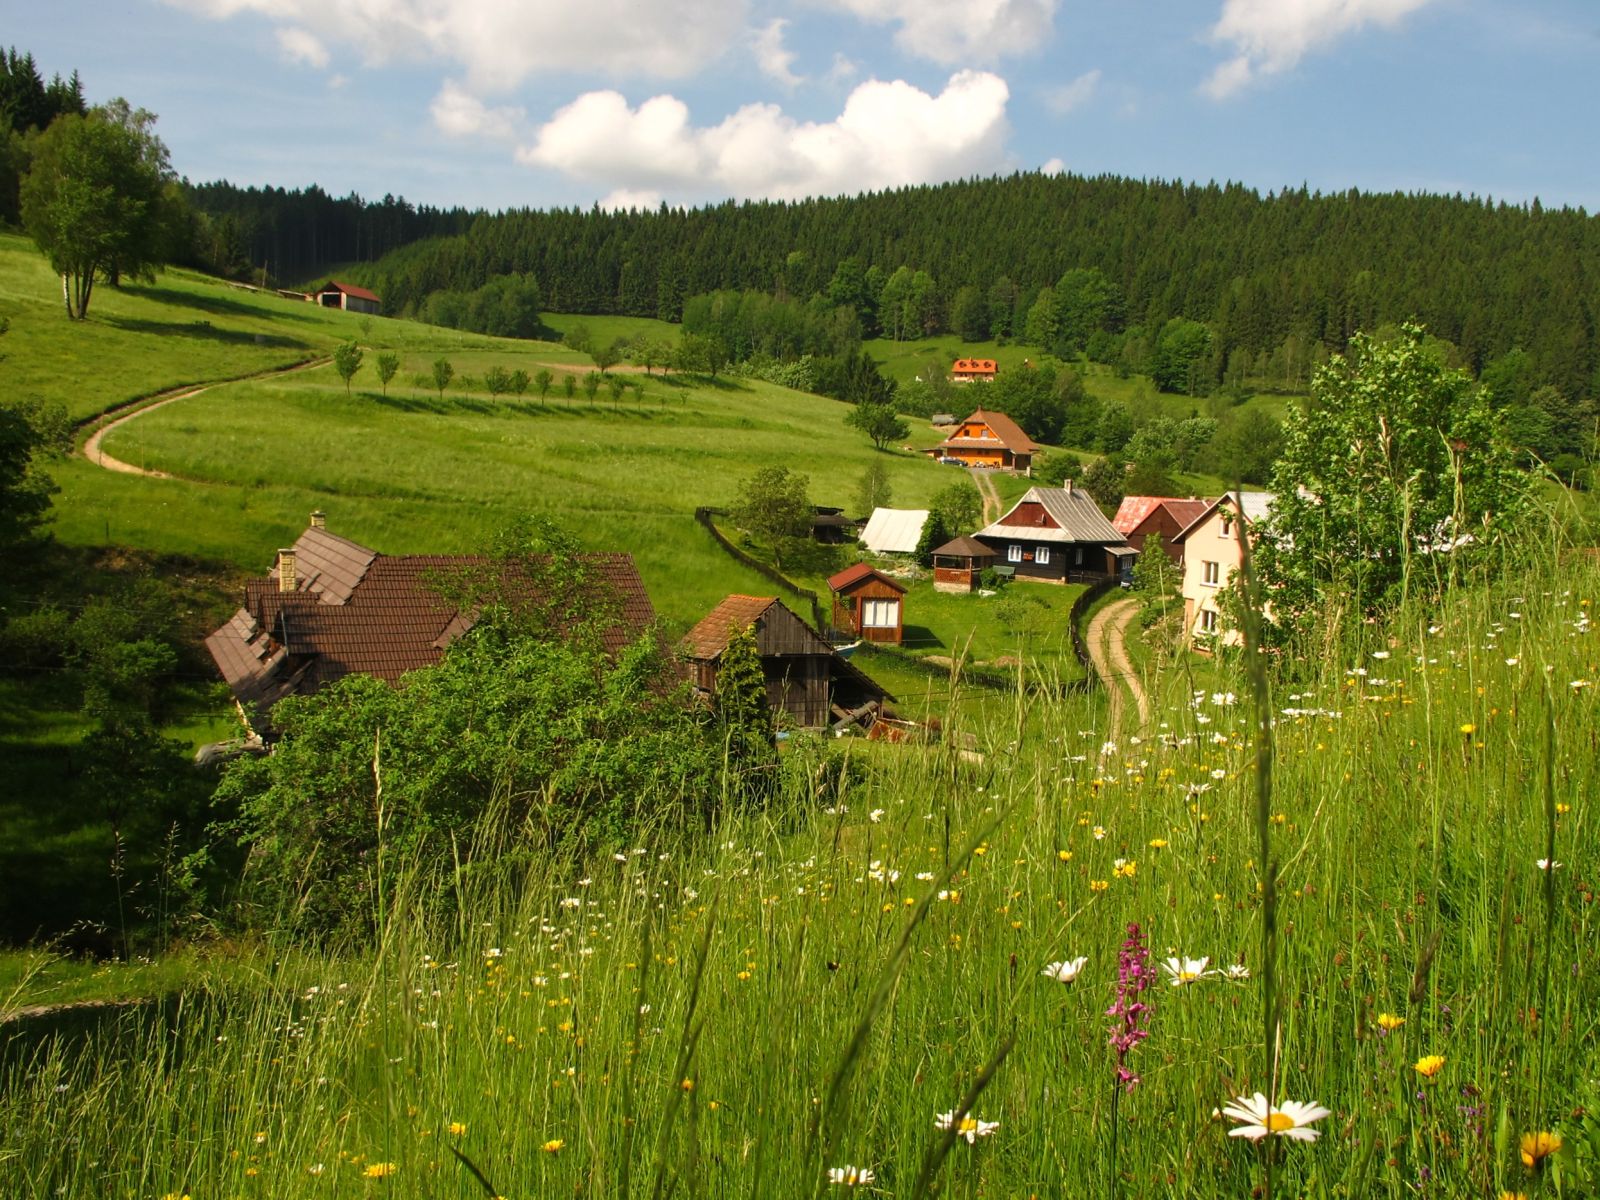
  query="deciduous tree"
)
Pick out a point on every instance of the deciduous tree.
point(347, 361)
point(879, 422)
point(388, 364)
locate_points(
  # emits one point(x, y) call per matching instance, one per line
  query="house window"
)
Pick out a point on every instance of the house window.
point(1077, 556)
point(1211, 574)
point(880, 614)
point(1042, 555)
point(1013, 553)
point(1227, 526)
point(1207, 623)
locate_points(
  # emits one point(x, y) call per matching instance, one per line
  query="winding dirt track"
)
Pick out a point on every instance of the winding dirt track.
point(93, 448)
point(1107, 641)
point(991, 498)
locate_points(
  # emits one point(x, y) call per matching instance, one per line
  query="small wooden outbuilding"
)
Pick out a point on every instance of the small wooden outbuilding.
point(806, 679)
point(868, 604)
point(958, 563)
point(347, 296)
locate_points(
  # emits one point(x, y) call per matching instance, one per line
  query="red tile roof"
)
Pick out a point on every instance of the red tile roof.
point(970, 366)
point(349, 289)
point(354, 611)
point(853, 575)
point(1136, 510)
point(711, 636)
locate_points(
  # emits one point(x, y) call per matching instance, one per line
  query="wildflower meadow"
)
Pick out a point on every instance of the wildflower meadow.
point(1340, 945)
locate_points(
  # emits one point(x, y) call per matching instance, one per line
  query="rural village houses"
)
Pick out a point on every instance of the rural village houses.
point(988, 439)
point(868, 604)
point(1210, 545)
point(1138, 517)
point(1059, 535)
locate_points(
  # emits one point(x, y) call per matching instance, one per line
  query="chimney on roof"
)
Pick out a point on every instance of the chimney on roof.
point(1066, 486)
point(286, 573)
point(319, 519)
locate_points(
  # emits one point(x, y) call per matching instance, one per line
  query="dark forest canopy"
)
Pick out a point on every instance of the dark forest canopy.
point(1488, 277)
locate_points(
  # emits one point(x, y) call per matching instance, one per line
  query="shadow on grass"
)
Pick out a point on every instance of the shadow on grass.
point(206, 331)
point(445, 406)
point(920, 637)
point(222, 306)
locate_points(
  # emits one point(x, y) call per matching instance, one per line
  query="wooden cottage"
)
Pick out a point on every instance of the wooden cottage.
point(958, 563)
point(347, 296)
point(974, 370)
point(1059, 535)
point(868, 604)
point(806, 679)
point(988, 439)
point(1140, 516)
point(331, 607)
point(831, 527)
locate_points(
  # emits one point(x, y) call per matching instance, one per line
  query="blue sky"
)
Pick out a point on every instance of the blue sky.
point(499, 103)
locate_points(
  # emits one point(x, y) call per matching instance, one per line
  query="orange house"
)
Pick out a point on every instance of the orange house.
point(974, 370)
point(988, 439)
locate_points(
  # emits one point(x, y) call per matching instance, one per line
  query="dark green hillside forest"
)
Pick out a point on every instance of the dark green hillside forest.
point(1281, 273)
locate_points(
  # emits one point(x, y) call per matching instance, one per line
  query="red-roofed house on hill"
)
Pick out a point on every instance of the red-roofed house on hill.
point(1140, 516)
point(868, 604)
point(988, 439)
point(347, 296)
point(331, 607)
point(806, 678)
point(974, 370)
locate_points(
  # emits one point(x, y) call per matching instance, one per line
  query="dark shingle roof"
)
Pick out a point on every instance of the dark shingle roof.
point(966, 547)
point(1078, 518)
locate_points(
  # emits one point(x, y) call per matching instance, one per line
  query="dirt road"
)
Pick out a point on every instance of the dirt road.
point(93, 451)
point(1107, 643)
point(991, 497)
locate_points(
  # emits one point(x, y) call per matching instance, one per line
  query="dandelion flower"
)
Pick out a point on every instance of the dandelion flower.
point(1536, 1147)
point(1185, 970)
point(1065, 972)
point(457, 1128)
point(848, 1176)
point(380, 1170)
point(1390, 1021)
point(1124, 868)
point(1257, 1118)
point(969, 1127)
point(1429, 1065)
point(553, 1145)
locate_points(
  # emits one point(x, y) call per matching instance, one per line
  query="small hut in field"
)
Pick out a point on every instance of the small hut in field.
point(958, 563)
point(868, 604)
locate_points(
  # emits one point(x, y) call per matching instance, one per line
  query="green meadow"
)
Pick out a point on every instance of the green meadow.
point(813, 986)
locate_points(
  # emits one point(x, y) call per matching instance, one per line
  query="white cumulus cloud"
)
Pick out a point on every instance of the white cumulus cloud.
point(1068, 96)
point(954, 31)
point(888, 135)
point(500, 43)
point(458, 113)
point(298, 46)
point(628, 198)
point(1054, 166)
point(772, 56)
point(1271, 36)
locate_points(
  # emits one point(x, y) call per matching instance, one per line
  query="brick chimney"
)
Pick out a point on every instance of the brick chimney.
point(286, 573)
point(319, 519)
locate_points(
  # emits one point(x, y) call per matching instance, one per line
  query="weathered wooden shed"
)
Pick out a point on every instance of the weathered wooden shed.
point(347, 296)
point(868, 604)
point(805, 678)
point(958, 563)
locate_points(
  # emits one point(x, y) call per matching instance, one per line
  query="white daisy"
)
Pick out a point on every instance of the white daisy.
point(1065, 972)
point(970, 1127)
point(850, 1176)
point(1291, 1119)
point(1544, 864)
point(1186, 970)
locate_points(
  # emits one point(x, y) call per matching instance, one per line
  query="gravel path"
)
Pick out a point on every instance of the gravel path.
point(1107, 641)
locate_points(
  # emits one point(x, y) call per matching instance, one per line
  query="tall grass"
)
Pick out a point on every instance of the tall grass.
point(728, 1014)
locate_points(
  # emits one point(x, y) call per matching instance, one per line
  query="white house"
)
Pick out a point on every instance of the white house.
point(1211, 554)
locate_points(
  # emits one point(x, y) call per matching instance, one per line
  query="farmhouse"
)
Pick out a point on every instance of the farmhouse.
point(868, 604)
point(1059, 535)
point(974, 370)
point(1140, 516)
point(331, 607)
point(894, 530)
point(988, 439)
point(347, 296)
point(1210, 545)
point(806, 679)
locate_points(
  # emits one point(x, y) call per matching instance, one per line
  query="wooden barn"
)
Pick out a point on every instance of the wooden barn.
point(347, 296)
point(868, 604)
point(958, 563)
point(806, 679)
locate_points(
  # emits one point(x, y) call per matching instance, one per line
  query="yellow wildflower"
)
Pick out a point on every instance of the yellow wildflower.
point(553, 1145)
point(1430, 1065)
point(457, 1128)
point(1536, 1147)
point(1098, 885)
point(1158, 843)
point(1390, 1021)
point(381, 1170)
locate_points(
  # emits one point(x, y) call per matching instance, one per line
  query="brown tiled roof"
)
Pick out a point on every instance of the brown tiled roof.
point(710, 637)
point(354, 611)
point(1005, 429)
point(1134, 511)
point(855, 574)
point(966, 547)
